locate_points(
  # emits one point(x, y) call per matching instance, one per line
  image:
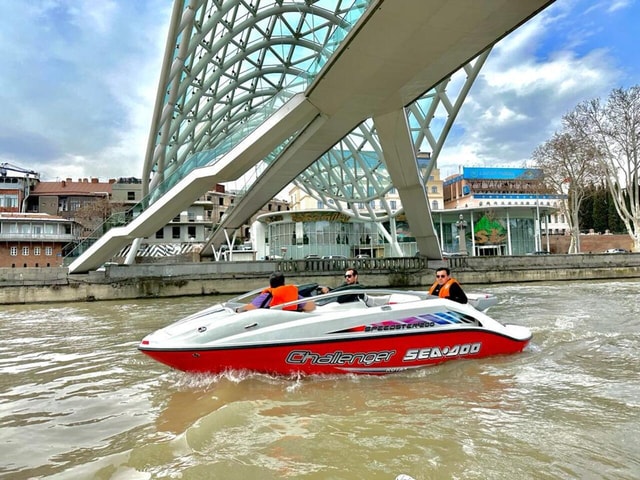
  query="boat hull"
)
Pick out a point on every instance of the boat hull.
point(377, 355)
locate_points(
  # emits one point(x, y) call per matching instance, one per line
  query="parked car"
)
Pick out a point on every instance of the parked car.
point(540, 252)
point(334, 257)
point(312, 256)
point(616, 250)
point(363, 255)
point(454, 254)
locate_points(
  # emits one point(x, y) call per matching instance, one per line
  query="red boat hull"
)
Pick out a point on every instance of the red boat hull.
point(374, 356)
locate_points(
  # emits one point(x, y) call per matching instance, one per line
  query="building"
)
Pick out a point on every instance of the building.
point(482, 211)
point(86, 201)
point(497, 187)
point(34, 239)
point(95, 206)
point(15, 186)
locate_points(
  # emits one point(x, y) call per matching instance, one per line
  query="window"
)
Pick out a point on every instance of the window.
point(48, 251)
point(191, 232)
point(221, 201)
point(175, 233)
point(131, 195)
point(393, 204)
point(434, 189)
point(10, 201)
point(36, 250)
point(13, 251)
point(25, 251)
point(160, 233)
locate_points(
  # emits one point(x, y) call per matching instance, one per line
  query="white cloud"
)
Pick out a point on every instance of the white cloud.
point(530, 80)
point(78, 84)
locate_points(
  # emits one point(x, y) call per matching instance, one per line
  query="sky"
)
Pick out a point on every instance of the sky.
point(78, 81)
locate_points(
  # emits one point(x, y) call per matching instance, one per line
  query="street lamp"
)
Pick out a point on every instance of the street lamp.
point(461, 224)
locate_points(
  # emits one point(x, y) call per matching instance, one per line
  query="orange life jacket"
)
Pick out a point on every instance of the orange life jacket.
point(283, 294)
point(444, 291)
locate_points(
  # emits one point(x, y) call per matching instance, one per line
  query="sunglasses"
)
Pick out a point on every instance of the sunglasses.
point(348, 276)
point(441, 276)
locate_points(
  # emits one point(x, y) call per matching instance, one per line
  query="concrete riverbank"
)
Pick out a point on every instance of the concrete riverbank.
point(45, 285)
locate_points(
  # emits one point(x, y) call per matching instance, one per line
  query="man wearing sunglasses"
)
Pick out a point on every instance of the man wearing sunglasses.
point(447, 287)
point(350, 283)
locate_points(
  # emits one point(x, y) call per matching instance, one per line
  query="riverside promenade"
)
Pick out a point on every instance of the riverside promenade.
point(156, 280)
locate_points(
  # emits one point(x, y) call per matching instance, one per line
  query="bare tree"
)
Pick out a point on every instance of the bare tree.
point(569, 167)
point(613, 129)
point(94, 212)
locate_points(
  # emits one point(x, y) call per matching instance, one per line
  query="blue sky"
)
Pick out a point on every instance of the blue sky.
point(78, 82)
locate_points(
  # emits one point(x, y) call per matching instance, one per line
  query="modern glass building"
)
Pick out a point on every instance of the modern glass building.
point(507, 230)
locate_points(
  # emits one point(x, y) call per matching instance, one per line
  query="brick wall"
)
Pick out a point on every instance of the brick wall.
point(31, 260)
point(589, 243)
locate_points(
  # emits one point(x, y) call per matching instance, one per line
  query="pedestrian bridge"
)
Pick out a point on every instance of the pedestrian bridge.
point(275, 92)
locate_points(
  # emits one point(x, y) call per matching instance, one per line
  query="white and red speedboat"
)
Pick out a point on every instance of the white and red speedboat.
point(382, 332)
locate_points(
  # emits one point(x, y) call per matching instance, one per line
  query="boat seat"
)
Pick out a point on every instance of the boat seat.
point(342, 306)
point(376, 301)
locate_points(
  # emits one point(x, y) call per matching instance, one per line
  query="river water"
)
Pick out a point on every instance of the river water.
point(78, 401)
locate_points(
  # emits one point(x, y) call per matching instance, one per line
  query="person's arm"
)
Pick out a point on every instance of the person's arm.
point(347, 286)
point(255, 303)
point(308, 306)
point(457, 294)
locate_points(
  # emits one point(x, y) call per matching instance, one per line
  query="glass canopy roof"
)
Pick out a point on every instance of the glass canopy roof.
point(236, 62)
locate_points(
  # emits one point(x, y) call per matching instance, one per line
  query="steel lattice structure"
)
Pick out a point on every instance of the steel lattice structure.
point(235, 62)
point(338, 96)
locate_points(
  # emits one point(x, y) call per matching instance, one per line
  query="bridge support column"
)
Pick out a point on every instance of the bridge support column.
point(400, 159)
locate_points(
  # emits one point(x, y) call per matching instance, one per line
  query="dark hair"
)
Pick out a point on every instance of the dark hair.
point(276, 279)
point(355, 272)
point(446, 269)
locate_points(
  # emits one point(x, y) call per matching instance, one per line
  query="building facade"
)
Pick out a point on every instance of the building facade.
point(16, 184)
point(482, 211)
point(492, 188)
point(33, 239)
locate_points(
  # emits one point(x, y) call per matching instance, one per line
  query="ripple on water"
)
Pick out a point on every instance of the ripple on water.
point(78, 401)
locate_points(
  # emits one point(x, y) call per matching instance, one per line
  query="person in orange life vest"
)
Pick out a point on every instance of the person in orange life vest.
point(447, 287)
point(277, 294)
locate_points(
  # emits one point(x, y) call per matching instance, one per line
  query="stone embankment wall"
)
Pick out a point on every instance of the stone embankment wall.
point(43, 285)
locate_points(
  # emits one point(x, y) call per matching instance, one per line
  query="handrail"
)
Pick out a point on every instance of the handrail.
point(334, 295)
